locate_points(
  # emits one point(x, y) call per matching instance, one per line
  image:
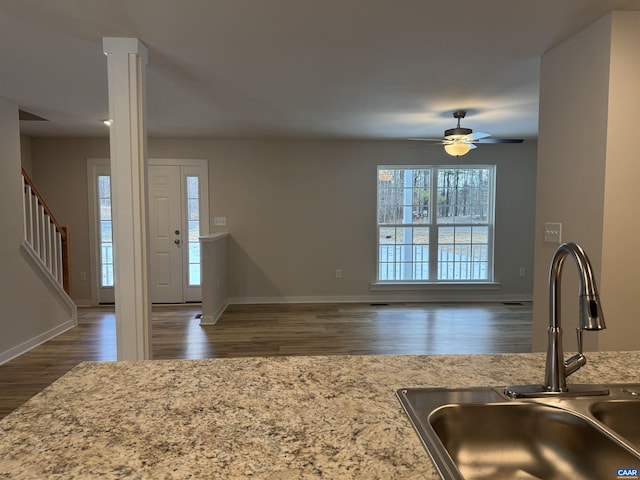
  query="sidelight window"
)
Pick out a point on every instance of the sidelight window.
point(193, 224)
point(106, 232)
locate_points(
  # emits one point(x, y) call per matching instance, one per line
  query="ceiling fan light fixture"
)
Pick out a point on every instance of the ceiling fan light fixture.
point(459, 140)
point(457, 149)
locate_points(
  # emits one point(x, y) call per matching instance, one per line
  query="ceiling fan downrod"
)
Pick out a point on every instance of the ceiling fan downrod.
point(458, 130)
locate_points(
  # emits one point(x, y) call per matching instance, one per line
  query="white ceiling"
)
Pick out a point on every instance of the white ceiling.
point(291, 68)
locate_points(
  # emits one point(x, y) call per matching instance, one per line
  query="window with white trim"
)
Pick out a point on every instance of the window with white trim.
point(435, 223)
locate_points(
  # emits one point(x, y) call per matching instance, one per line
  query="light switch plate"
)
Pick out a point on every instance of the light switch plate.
point(220, 221)
point(552, 232)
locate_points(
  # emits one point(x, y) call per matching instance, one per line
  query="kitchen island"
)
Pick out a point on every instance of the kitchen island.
point(333, 417)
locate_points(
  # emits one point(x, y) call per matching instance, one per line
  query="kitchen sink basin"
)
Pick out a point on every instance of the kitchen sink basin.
point(480, 433)
point(622, 416)
point(525, 441)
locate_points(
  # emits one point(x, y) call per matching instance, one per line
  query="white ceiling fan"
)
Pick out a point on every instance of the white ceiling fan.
point(458, 141)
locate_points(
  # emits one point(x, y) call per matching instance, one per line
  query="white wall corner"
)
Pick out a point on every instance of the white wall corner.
point(213, 319)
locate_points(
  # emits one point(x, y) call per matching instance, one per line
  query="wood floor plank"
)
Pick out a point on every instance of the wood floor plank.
point(272, 330)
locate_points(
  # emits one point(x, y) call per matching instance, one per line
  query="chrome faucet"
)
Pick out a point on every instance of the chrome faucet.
point(590, 318)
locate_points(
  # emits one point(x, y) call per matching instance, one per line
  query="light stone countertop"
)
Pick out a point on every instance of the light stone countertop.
point(332, 417)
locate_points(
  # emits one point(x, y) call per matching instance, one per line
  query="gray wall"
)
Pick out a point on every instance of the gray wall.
point(31, 311)
point(25, 153)
point(590, 183)
point(297, 210)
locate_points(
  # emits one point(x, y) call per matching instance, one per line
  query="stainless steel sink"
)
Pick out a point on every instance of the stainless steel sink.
point(480, 433)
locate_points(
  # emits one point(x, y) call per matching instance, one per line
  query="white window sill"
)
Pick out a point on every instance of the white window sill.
point(439, 286)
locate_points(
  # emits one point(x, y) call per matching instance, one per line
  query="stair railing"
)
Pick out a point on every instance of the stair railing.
point(48, 239)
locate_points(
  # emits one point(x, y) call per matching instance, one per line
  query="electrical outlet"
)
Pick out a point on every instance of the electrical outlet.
point(338, 273)
point(523, 271)
point(83, 276)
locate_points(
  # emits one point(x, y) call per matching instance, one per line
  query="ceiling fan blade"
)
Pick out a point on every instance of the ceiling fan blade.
point(499, 140)
point(478, 135)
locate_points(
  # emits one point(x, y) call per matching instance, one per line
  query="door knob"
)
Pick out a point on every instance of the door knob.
point(177, 232)
point(176, 241)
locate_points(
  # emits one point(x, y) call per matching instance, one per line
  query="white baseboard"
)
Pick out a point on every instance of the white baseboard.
point(35, 341)
point(388, 297)
point(84, 302)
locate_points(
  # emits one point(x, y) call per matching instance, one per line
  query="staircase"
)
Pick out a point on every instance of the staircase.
point(45, 239)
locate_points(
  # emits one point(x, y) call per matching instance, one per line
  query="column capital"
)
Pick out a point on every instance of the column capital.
point(124, 45)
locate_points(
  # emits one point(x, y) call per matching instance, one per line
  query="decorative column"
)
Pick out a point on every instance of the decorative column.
point(126, 60)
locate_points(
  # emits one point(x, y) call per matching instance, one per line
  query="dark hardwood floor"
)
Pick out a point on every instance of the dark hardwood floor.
point(269, 330)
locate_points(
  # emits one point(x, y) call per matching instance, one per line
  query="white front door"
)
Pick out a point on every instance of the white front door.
point(178, 214)
point(165, 234)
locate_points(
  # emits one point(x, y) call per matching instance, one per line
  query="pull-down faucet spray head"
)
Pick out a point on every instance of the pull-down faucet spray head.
point(591, 317)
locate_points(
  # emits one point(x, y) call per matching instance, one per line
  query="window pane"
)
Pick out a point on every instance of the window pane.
point(193, 209)
point(194, 253)
point(387, 235)
point(403, 196)
point(192, 187)
point(194, 231)
point(480, 235)
point(104, 186)
point(421, 235)
point(105, 209)
point(194, 263)
point(462, 235)
point(463, 195)
point(106, 234)
point(107, 276)
point(194, 274)
point(462, 256)
point(421, 187)
point(106, 253)
point(403, 253)
point(106, 265)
